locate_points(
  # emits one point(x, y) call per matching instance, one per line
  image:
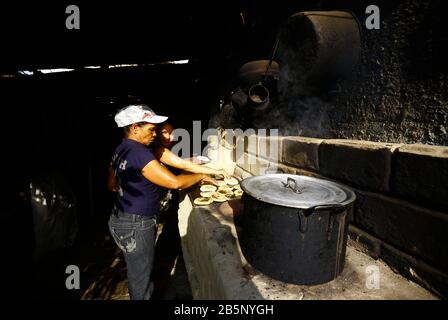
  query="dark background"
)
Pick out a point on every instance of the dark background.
point(59, 127)
point(62, 124)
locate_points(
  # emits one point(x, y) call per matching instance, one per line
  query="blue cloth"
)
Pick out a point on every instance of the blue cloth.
point(135, 235)
point(136, 194)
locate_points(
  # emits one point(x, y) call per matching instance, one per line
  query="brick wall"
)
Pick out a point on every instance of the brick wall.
point(401, 211)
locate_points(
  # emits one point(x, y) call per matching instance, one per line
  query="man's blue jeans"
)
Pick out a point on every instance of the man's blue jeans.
point(135, 235)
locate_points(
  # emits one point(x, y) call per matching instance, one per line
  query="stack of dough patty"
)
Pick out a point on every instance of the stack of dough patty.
point(227, 189)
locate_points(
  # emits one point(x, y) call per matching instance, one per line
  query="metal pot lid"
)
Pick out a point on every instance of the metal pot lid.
point(297, 191)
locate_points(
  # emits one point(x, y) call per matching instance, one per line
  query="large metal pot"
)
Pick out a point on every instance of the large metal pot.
point(295, 227)
point(321, 46)
point(254, 71)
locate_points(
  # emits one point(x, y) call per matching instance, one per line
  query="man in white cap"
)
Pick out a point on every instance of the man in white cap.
point(137, 177)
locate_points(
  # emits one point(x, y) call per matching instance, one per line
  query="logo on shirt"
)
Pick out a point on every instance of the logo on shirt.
point(122, 165)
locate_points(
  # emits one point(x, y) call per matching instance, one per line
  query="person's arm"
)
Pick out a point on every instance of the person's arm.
point(159, 175)
point(166, 156)
point(111, 181)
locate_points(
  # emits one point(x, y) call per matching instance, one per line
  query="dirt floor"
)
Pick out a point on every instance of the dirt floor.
point(170, 277)
point(103, 270)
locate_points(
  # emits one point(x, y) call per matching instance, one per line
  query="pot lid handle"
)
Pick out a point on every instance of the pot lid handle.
point(293, 185)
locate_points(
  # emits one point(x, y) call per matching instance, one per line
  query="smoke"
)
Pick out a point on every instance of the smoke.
point(295, 108)
point(298, 108)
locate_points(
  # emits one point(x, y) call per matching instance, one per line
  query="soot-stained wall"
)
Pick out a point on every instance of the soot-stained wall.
point(399, 91)
point(396, 93)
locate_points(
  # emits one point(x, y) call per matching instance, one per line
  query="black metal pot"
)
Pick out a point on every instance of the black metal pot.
point(322, 46)
point(295, 227)
point(254, 71)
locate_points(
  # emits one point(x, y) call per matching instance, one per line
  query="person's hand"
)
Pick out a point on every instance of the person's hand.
point(222, 173)
point(209, 180)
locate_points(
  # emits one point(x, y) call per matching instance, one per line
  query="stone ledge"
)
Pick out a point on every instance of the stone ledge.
point(420, 173)
point(257, 145)
point(241, 173)
point(362, 163)
point(263, 166)
point(418, 231)
point(270, 148)
point(247, 143)
point(281, 168)
point(414, 269)
point(301, 152)
point(246, 161)
point(192, 246)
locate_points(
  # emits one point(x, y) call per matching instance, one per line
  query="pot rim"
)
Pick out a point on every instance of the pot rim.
point(350, 196)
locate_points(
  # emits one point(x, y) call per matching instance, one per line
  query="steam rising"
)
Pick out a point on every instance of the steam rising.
point(297, 110)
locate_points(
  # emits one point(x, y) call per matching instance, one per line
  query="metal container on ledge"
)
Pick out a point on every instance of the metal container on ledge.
point(295, 227)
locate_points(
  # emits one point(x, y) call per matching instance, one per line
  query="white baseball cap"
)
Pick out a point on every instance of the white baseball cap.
point(137, 113)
